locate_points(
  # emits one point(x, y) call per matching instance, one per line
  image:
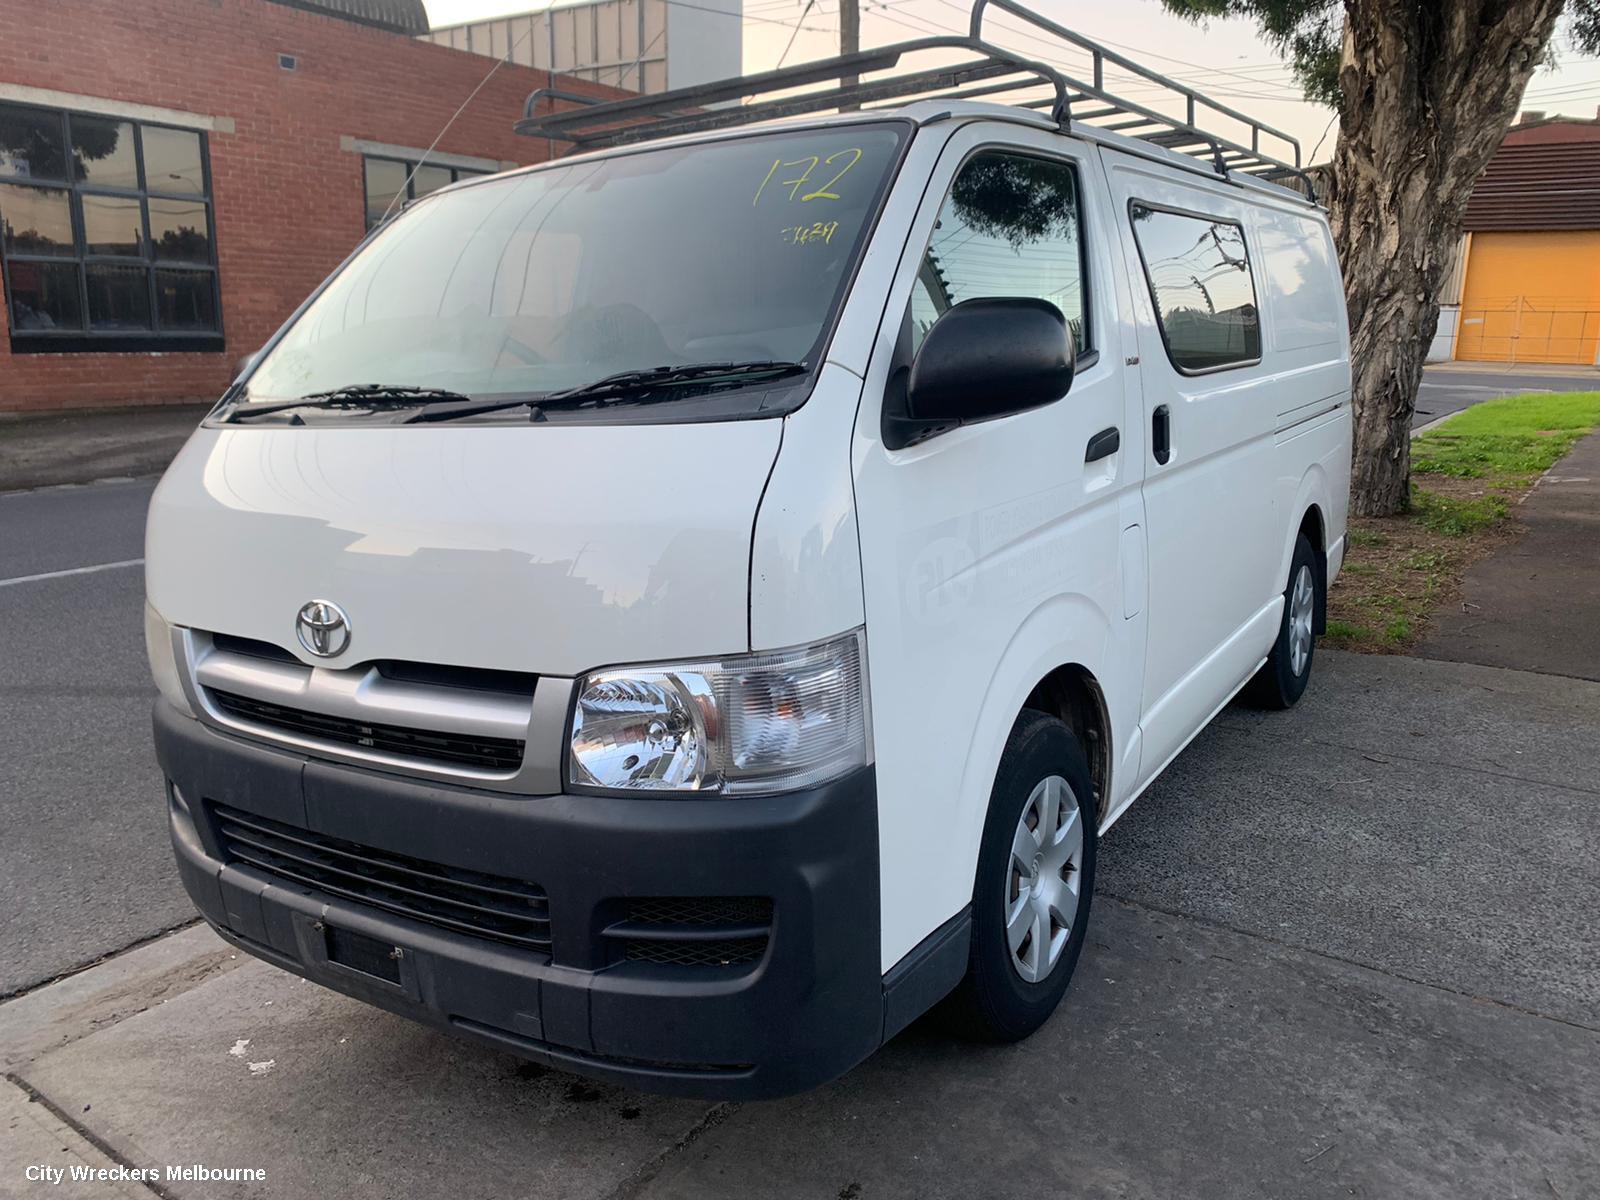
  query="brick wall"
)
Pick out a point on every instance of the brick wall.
point(289, 202)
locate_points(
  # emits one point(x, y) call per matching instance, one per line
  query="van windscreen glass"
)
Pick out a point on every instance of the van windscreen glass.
point(735, 251)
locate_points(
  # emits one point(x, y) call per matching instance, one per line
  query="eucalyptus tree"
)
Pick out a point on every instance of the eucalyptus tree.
point(1424, 91)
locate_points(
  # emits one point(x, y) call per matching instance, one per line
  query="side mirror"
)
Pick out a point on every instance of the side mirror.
point(990, 358)
point(245, 363)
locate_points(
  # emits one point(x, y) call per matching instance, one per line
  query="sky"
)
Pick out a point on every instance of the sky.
point(1225, 59)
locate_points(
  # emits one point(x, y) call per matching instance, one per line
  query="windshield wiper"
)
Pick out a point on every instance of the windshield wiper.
point(634, 385)
point(355, 395)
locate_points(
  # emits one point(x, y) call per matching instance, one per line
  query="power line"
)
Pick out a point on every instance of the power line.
point(1052, 49)
point(471, 96)
point(806, 11)
point(634, 65)
point(1037, 37)
point(1323, 138)
point(747, 16)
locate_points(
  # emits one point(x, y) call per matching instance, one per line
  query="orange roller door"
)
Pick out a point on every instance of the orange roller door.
point(1532, 297)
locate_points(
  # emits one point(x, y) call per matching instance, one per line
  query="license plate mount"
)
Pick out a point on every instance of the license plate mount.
point(358, 952)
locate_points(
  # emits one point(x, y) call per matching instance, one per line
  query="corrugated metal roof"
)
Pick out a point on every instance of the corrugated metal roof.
point(397, 16)
point(1550, 186)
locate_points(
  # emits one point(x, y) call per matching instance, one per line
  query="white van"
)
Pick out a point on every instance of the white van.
point(680, 612)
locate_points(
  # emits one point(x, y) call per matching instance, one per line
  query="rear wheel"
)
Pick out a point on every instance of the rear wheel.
point(1035, 878)
point(1283, 677)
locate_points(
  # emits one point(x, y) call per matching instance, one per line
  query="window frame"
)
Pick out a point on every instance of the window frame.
point(411, 165)
point(1155, 301)
point(111, 341)
point(1090, 355)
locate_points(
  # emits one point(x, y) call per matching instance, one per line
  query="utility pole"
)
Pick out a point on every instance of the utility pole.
point(849, 36)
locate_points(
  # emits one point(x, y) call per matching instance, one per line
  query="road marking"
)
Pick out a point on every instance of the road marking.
point(98, 567)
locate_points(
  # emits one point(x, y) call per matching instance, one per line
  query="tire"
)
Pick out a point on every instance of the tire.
point(1282, 679)
point(997, 1000)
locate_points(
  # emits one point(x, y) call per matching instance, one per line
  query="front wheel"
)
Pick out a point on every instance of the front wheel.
point(1283, 677)
point(1035, 879)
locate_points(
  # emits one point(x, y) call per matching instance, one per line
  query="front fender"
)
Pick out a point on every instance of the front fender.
point(1035, 649)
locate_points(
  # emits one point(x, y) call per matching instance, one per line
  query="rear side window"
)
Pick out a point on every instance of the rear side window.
point(1010, 227)
point(1202, 288)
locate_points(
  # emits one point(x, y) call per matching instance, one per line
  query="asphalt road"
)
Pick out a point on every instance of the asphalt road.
point(84, 864)
point(1449, 388)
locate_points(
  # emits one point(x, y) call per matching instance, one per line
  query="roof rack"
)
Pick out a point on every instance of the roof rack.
point(987, 70)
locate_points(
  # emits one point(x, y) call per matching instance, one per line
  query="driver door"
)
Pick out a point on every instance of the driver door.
point(994, 552)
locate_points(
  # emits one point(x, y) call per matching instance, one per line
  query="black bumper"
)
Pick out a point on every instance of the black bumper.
point(807, 1009)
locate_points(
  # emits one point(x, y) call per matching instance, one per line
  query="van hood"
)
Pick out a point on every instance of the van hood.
point(549, 549)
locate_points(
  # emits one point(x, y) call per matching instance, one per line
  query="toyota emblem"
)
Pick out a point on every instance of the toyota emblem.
point(323, 628)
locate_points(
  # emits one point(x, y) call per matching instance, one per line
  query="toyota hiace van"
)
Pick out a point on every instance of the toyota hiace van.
point(682, 611)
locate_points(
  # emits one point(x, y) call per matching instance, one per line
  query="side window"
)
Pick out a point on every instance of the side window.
point(1010, 227)
point(1201, 284)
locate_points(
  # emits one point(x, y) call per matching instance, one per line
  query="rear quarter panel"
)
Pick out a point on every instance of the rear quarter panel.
point(1308, 336)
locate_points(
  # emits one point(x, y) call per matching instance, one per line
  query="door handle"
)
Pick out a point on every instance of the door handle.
point(1103, 445)
point(1161, 434)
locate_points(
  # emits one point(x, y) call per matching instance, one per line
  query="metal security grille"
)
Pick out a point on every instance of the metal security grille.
point(507, 910)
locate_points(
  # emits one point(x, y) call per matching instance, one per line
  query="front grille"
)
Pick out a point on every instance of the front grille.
point(694, 931)
point(488, 906)
point(486, 753)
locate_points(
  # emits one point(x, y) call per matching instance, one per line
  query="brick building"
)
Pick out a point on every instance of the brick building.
point(177, 175)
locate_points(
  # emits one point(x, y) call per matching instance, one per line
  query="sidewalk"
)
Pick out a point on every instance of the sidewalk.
point(1555, 370)
point(45, 449)
point(1535, 605)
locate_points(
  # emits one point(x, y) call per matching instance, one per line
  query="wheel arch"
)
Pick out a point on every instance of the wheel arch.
point(1315, 528)
point(1073, 695)
point(1310, 517)
point(1069, 680)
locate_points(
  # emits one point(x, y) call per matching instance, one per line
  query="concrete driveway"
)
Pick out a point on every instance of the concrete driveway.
point(1344, 951)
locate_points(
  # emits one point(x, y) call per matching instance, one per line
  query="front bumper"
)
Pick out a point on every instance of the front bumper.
point(810, 1007)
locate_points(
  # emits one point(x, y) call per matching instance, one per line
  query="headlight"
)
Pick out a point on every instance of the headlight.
point(163, 661)
point(767, 722)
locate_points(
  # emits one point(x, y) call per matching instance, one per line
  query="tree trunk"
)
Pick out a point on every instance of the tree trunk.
point(1429, 88)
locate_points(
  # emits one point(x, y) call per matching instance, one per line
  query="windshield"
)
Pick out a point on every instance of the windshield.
point(722, 252)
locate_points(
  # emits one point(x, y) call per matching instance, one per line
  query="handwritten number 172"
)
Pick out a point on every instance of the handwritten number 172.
point(810, 163)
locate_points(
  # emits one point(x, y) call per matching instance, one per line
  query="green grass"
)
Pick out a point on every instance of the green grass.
point(1366, 537)
point(1456, 518)
point(1347, 631)
point(1512, 440)
point(1397, 631)
point(1424, 560)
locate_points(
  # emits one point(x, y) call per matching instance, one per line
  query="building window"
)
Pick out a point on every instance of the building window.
point(393, 181)
point(107, 236)
point(1011, 226)
point(1200, 282)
